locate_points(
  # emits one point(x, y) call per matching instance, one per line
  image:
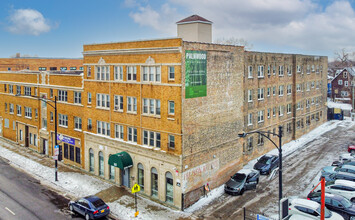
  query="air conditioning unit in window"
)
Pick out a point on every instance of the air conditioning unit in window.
point(89, 127)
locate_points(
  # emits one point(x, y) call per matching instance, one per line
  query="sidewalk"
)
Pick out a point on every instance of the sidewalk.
point(74, 183)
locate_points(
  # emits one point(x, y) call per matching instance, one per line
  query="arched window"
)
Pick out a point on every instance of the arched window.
point(112, 173)
point(154, 178)
point(101, 163)
point(169, 196)
point(91, 160)
point(141, 176)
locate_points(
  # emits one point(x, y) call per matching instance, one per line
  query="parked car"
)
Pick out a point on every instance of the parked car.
point(347, 157)
point(338, 163)
point(335, 203)
point(244, 179)
point(343, 188)
point(351, 149)
point(338, 175)
point(266, 164)
point(92, 207)
point(310, 209)
point(341, 168)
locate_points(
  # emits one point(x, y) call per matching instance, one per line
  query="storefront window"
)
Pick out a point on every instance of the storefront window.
point(154, 182)
point(91, 155)
point(169, 188)
point(112, 173)
point(101, 163)
point(141, 176)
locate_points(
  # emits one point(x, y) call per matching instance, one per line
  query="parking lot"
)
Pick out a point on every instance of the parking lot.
point(301, 170)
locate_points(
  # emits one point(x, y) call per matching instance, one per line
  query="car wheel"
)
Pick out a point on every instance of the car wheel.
point(241, 192)
point(87, 216)
point(352, 200)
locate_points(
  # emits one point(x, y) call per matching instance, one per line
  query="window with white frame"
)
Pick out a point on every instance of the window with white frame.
point(102, 100)
point(289, 89)
point(317, 100)
point(28, 112)
point(250, 95)
point(132, 134)
point(268, 70)
point(281, 70)
point(103, 128)
point(102, 72)
point(274, 111)
point(274, 70)
point(268, 91)
point(317, 69)
point(274, 90)
point(119, 132)
point(281, 90)
point(118, 103)
point(11, 89)
point(313, 69)
point(18, 90)
point(171, 106)
point(312, 102)
point(298, 87)
point(345, 75)
point(151, 73)
point(312, 84)
point(88, 71)
point(289, 70)
point(340, 82)
point(260, 93)
point(260, 71)
point(89, 97)
point(131, 104)
point(344, 93)
point(317, 85)
point(151, 106)
point(171, 141)
point(36, 112)
point(260, 139)
point(250, 71)
point(27, 90)
point(51, 116)
point(171, 72)
point(281, 110)
point(7, 125)
point(250, 119)
point(249, 146)
point(62, 95)
point(308, 69)
point(19, 110)
point(268, 112)
point(77, 123)
point(289, 108)
point(77, 97)
point(11, 108)
point(151, 138)
point(260, 116)
point(89, 124)
point(346, 83)
point(118, 73)
point(131, 73)
point(63, 120)
point(307, 103)
point(298, 68)
point(298, 105)
point(308, 87)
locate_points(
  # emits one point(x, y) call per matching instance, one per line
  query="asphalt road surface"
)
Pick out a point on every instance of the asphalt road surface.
point(23, 197)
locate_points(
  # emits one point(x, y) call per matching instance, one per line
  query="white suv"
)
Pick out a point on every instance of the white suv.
point(310, 209)
point(343, 188)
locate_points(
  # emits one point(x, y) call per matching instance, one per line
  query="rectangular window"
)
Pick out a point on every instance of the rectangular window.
point(250, 95)
point(42, 68)
point(268, 112)
point(27, 91)
point(131, 73)
point(51, 116)
point(5, 107)
point(250, 119)
point(72, 68)
point(312, 84)
point(289, 89)
point(250, 72)
point(89, 97)
point(268, 70)
point(118, 103)
point(71, 152)
point(308, 69)
point(346, 84)
point(298, 68)
point(103, 128)
point(28, 112)
point(62, 95)
point(268, 91)
point(274, 90)
point(102, 72)
point(298, 87)
point(119, 132)
point(260, 71)
point(260, 139)
point(89, 71)
point(317, 69)
point(19, 110)
point(77, 155)
point(151, 106)
point(274, 111)
point(307, 103)
point(340, 82)
point(11, 108)
point(171, 72)
point(63, 68)
point(5, 87)
point(18, 90)
point(11, 89)
point(289, 108)
point(102, 100)
point(77, 123)
point(7, 125)
point(132, 104)
point(260, 93)
point(281, 90)
point(66, 151)
point(51, 93)
point(281, 110)
point(171, 109)
point(118, 72)
point(313, 69)
point(89, 124)
point(260, 116)
point(281, 70)
point(132, 134)
point(151, 73)
point(289, 70)
point(274, 70)
point(151, 138)
point(63, 120)
point(171, 141)
point(77, 97)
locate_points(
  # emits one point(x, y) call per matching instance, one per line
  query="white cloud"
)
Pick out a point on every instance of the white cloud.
point(28, 21)
point(300, 24)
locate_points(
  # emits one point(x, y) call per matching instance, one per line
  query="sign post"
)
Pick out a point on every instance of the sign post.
point(136, 188)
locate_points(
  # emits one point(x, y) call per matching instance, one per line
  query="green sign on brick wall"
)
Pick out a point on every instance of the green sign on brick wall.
point(195, 73)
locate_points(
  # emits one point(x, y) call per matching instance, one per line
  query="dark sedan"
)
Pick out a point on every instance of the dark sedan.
point(92, 207)
point(338, 176)
point(335, 203)
point(245, 179)
point(266, 164)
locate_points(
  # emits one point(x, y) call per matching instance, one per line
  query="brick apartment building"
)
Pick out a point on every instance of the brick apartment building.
point(343, 85)
point(166, 113)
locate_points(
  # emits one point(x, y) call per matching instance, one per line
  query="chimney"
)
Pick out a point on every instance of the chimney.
point(195, 28)
point(18, 55)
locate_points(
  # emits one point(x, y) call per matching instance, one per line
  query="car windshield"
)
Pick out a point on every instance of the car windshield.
point(265, 160)
point(327, 213)
point(239, 177)
point(98, 203)
point(346, 203)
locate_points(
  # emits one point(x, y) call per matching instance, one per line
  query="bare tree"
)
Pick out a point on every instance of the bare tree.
point(235, 41)
point(342, 58)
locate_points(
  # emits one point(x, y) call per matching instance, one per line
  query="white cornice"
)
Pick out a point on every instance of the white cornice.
point(134, 51)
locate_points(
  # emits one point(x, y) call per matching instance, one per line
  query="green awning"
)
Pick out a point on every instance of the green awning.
point(121, 160)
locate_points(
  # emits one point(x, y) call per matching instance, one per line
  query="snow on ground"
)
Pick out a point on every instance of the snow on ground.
point(342, 106)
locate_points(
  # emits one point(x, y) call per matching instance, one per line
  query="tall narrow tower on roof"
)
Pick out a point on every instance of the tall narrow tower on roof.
point(195, 28)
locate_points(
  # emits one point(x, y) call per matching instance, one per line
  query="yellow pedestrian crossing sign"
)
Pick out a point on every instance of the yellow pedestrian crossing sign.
point(136, 188)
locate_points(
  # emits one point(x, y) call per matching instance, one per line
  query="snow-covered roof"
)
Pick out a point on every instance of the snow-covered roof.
point(245, 171)
point(343, 106)
point(304, 202)
point(345, 183)
point(350, 70)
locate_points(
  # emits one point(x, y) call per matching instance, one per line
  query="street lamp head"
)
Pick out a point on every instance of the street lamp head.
point(242, 135)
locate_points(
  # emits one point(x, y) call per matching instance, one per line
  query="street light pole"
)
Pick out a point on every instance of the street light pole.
point(56, 137)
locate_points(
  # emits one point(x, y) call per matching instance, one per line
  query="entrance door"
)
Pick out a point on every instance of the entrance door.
point(26, 137)
point(125, 177)
point(45, 146)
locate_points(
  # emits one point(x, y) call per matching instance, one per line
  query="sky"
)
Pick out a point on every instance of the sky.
point(48, 28)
